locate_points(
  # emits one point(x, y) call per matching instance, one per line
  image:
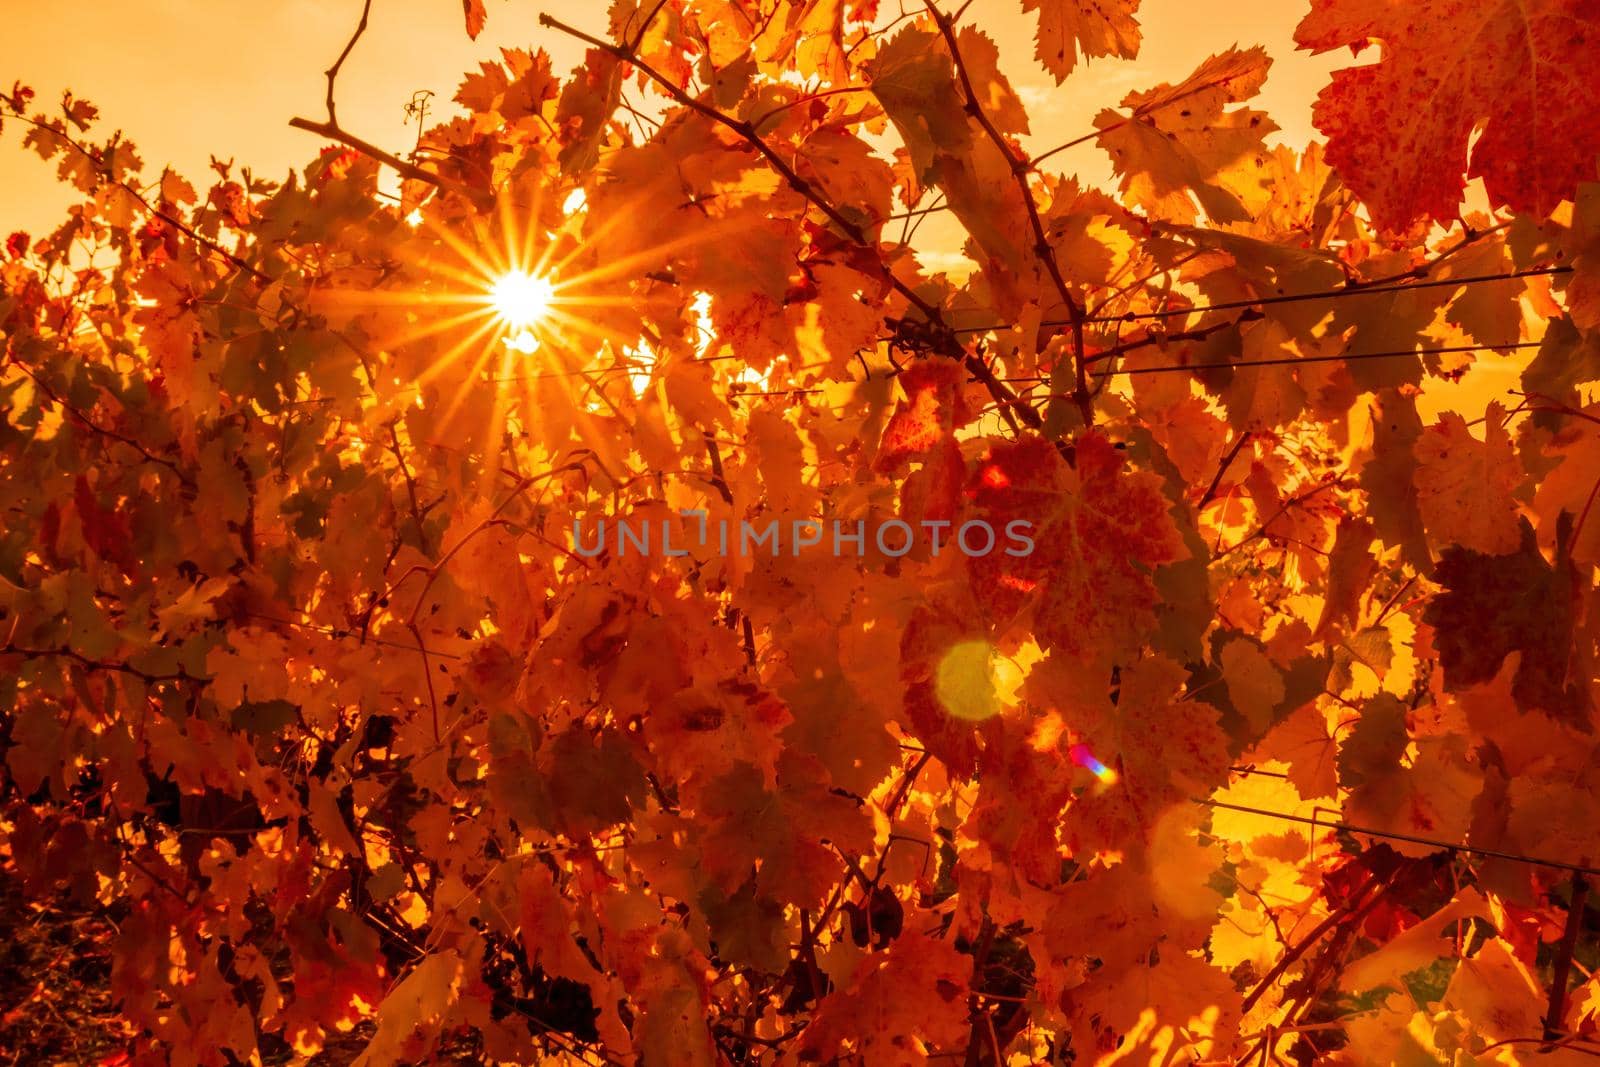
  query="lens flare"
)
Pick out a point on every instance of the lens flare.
point(1084, 758)
point(975, 682)
point(508, 321)
point(521, 299)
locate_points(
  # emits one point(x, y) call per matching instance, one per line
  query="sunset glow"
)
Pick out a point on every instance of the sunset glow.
point(652, 532)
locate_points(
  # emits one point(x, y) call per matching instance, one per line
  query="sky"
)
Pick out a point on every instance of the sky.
point(188, 79)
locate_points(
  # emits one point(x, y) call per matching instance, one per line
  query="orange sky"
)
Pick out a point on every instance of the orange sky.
point(186, 79)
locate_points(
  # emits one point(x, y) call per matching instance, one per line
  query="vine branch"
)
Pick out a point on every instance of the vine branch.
point(350, 46)
point(171, 220)
point(334, 132)
point(746, 132)
point(1020, 169)
point(1563, 963)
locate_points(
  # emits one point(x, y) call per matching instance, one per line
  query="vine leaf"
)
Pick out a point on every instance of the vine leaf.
point(915, 989)
point(1465, 486)
point(1517, 70)
point(1182, 139)
point(475, 14)
point(1099, 530)
point(1495, 605)
point(420, 999)
point(1090, 28)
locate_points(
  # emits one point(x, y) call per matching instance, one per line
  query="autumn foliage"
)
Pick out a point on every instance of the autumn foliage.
point(1280, 748)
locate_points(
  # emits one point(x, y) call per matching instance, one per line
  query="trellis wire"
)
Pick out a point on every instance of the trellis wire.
point(1445, 846)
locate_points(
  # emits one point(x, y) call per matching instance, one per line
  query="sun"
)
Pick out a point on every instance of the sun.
point(520, 299)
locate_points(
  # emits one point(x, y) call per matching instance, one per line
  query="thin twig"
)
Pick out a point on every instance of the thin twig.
point(1227, 461)
point(350, 45)
point(1288, 959)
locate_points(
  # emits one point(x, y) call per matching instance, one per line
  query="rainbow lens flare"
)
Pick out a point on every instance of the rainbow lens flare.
point(1084, 758)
